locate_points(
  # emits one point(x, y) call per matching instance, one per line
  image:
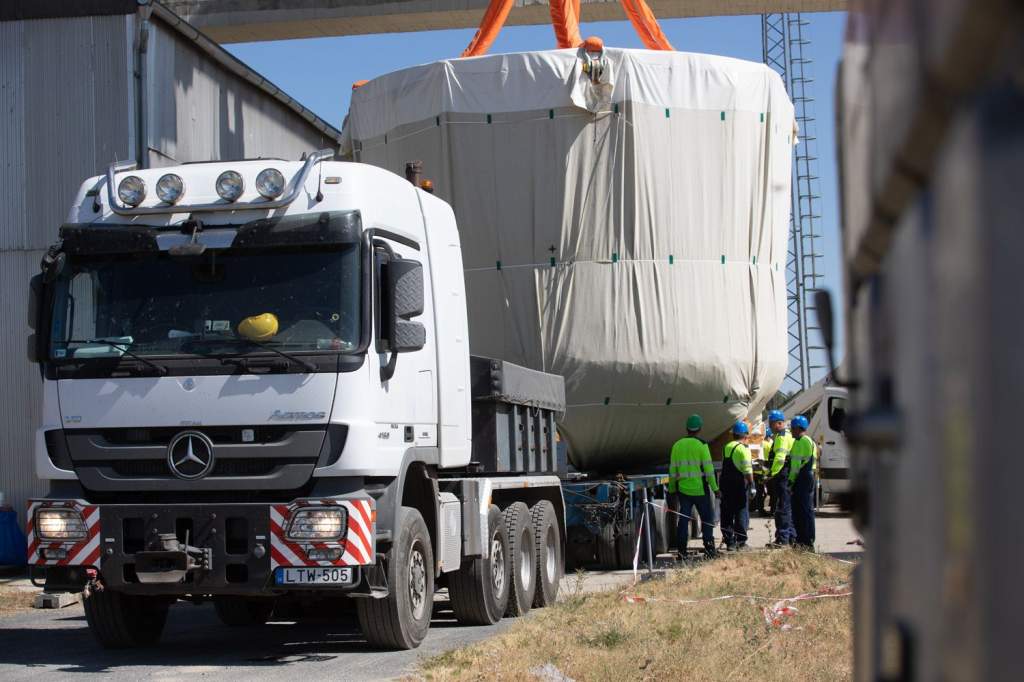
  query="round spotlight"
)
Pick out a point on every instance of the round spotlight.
point(132, 190)
point(270, 183)
point(170, 188)
point(230, 185)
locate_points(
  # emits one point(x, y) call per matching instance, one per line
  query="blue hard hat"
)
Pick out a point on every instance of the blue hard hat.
point(776, 416)
point(740, 429)
point(799, 422)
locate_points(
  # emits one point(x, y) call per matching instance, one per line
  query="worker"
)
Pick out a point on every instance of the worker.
point(801, 479)
point(778, 479)
point(692, 480)
point(737, 488)
point(761, 477)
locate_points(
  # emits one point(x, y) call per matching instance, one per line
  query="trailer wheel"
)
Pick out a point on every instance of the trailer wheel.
point(240, 612)
point(401, 620)
point(479, 589)
point(625, 546)
point(606, 556)
point(120, 621)
point(659, 527)
point(522, 559)
point(550, 562)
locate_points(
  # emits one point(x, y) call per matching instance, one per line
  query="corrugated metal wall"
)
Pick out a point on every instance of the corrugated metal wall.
point(198, 111)
point(64, 113)
point(66, 103)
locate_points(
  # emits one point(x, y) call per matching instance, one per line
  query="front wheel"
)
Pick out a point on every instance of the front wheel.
point(401, 620)
point(121, 621)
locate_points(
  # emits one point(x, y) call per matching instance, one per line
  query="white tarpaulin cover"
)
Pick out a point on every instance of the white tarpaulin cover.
point(628, 234)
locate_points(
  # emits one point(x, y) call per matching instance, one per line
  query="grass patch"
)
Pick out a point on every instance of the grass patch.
point(601, 637)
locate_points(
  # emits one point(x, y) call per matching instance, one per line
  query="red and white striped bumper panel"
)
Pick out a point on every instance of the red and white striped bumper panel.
point(357, 544)
point(85, 552)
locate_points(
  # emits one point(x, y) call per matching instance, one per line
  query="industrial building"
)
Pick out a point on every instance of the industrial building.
point(120, 81)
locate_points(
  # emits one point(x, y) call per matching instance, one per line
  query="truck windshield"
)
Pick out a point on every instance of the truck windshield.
point(218, 303)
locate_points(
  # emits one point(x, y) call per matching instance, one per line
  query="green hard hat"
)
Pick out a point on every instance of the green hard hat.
point(694, 423)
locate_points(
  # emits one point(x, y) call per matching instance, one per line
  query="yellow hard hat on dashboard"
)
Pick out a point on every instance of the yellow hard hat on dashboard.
point(260, 327)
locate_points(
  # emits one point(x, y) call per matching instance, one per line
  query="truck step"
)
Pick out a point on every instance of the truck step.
point(55, 600)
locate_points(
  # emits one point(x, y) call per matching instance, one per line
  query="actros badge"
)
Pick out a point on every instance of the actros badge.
point(190, 455)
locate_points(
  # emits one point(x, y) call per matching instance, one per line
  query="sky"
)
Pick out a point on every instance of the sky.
point(319, 73)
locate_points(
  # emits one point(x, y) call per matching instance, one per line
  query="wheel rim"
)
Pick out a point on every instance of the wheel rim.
point(551, 565)
point(526, 567)
point(497, 567)
point(417, 581)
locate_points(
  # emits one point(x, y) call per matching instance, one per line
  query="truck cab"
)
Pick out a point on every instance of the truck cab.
point(257, 386)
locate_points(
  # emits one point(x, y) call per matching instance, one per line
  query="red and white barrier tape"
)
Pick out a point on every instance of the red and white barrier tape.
point(775, 615)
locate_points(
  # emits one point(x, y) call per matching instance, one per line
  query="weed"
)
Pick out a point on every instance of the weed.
point(600, 636)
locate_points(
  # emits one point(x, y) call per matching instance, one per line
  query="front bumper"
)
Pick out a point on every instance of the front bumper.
point(217, 548)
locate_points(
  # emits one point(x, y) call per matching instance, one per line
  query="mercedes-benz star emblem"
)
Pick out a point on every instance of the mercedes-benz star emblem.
point(190, 455)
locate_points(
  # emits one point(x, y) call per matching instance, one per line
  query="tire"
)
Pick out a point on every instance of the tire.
point(479, 589)
point(547, 541)
point(625, 546)
point(606, 556)
point(401, 620)
point(522, 559)
point(121, 621)
point(659, 527)
point(242, 612)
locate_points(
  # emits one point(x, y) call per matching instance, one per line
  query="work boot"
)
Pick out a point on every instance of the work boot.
point(709, 550)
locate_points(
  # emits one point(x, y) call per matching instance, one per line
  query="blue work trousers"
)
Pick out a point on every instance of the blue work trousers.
point(803, 507)
point(785, 534)
point(735, 516)
point(705, 510)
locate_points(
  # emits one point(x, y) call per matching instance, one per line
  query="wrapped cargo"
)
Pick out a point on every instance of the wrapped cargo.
point(624, 218)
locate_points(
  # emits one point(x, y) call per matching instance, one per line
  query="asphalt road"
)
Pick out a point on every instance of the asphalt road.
point(43, 643)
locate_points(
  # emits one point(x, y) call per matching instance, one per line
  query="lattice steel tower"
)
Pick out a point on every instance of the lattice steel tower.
point(783, 49)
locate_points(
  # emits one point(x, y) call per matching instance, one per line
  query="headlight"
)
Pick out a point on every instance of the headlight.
point(60, 524)
point(317, 524)
point(270, 183)
point(132, 190)
point(169, 188)
point(230, 185)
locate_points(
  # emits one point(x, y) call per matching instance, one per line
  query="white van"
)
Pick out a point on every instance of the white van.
point(825, 404)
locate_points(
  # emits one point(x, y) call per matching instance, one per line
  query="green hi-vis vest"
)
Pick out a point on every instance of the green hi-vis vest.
point(690, 467)
point(803, 453)
point(740, 456)
point(782, 444)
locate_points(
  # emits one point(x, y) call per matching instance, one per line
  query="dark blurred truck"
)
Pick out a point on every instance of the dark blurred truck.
point(931, 139)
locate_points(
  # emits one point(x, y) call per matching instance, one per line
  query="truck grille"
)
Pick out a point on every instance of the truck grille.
point(269, 457)
point(155, 468)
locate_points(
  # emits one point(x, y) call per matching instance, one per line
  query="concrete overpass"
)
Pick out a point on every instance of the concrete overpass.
point(236, 21)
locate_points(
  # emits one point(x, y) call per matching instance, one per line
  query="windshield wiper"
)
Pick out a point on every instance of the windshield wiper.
point(124, 348)
point(305, 364)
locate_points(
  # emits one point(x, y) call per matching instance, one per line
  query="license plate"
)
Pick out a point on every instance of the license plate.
point(321, 575)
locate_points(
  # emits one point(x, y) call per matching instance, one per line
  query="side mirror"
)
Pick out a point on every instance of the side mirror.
point(32, 347)
point(35, 300)
point(823, 304)
point(35, 297)
point(405, 300)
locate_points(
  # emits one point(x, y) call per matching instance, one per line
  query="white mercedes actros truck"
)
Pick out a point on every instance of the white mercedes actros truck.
point(258, 392)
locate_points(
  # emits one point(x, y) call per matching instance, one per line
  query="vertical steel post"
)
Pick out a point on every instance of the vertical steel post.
point(647, 530)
